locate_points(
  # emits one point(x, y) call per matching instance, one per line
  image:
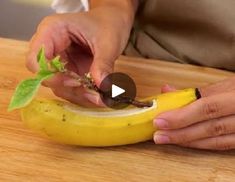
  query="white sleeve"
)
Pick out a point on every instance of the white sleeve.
point(66, 6)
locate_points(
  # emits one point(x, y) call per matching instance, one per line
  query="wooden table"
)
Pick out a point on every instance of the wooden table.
point(25, 156)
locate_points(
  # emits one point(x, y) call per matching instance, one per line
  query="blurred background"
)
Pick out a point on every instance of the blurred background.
point(19, 18)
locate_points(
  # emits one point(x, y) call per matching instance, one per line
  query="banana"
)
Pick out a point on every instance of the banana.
point(71, 124)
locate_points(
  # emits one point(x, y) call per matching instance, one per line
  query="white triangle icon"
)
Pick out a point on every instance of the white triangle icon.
point(116, 91)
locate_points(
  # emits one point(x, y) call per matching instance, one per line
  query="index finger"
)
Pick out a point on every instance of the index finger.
point(37, 41)
point(206, 108)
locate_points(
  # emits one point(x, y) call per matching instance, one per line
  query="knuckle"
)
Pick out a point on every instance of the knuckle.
point(48, 19)
point(221, 145)
point(180, 138)
point(217, 128)
point(177, 121)
point(49, 22)
point(211, 109)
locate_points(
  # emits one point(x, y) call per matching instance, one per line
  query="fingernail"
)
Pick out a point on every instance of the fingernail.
point(161, 139)
point(167, 88)
point(94, 98)
point(91, 97)
point(72, 83)
point(160, 123)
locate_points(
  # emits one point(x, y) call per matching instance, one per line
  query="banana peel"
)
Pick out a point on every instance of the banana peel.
point(71, 124)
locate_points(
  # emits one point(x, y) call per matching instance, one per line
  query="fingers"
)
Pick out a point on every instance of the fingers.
point(167, 88)
point(35, 45)
point(225, 142)
point(50, 34)
point(76, 96)
point(71, 83)
point(94, 98)
point(101, 68)
point(57, 33)
point(71, 90)
point(207, 108)
point(61, 80)
point(219, 87)
point(212, 128)
point(105, 55)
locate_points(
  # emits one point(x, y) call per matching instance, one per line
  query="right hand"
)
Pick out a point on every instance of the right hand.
point(88, 42)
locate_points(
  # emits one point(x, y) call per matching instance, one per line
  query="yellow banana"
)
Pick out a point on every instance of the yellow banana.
point(72, 124)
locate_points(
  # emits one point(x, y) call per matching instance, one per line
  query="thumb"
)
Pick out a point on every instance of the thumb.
point(100, 68)
point(167, 88)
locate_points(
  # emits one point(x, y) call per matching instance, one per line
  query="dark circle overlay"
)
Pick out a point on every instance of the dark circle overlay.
point(123, 81)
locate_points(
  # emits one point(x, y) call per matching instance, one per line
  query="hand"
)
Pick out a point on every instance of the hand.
point(208, 123)
point(87, 42)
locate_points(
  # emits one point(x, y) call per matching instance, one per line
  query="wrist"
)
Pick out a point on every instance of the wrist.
point(123, 3)
point(125, 9)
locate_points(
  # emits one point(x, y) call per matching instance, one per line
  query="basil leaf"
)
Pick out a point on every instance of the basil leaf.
point(24, 93)
point(42, 61)
point(44, 74)
point(57, 64)
point(26, 90)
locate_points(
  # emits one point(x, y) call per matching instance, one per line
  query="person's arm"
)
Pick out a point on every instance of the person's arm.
point(127, 6)
point(123, 9)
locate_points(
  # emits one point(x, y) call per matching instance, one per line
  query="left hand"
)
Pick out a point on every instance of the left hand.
point(208, 123)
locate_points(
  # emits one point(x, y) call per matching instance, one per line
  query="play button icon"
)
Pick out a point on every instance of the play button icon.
point(117, 89)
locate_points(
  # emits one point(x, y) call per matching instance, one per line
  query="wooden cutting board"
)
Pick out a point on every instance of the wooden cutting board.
point(25, 156)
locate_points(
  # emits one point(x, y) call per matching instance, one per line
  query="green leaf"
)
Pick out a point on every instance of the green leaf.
point(57, 64)
point(27, 89)
point(45, 74)
point(42, 61)
point(24, 93)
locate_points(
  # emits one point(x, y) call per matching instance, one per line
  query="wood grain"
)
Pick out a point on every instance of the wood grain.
point(25, 156)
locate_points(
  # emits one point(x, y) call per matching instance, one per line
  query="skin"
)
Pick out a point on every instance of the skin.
point(87, 42)
point(207, 123)
point(91, 42)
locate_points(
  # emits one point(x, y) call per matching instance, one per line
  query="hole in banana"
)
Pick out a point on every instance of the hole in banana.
point(108, 112)
point(63, 117)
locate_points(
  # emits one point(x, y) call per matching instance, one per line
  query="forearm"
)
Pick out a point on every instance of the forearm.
point(126, 8)
point(127, 4)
